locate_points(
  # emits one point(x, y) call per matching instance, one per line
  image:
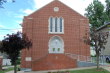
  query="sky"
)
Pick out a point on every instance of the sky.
point(12, 14)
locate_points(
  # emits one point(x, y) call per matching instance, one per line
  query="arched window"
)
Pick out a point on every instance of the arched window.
point(61, 21)
point(51, 25)
point(56, 45)
point(56, 25)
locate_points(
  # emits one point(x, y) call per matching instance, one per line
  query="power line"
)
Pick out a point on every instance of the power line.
point(11, 29)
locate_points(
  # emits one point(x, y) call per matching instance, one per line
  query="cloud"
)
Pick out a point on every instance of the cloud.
point(77, 5)
point(40, 3)
point(9, 32)
point(2, 36)
point(27, 11)
point(9, 1)
point(24, 12)
point(19, 16)
point(16, 30)
point(8, 13)
point(19, 21)
point(1, 26)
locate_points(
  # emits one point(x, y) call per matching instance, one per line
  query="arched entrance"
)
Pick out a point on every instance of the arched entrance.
point(56, 45)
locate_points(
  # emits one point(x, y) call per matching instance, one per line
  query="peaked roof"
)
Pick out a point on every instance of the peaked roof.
point(61, 3)
point(105, 25)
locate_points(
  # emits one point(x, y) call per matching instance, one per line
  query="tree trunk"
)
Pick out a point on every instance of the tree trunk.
point(15, 67)
point(97, 61)
point(0, 67)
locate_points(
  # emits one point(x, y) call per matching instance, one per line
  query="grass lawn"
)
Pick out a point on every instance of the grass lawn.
point(94, 70)
point(4, 71)
point(90, 71)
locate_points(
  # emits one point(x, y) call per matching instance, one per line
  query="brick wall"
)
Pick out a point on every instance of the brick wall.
point(37, 30)
point(54, 61)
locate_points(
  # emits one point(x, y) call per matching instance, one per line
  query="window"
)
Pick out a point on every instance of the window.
point(56, 9)
point(60, 24)
point(56, 45)
point(51, 24)
point(56, 25)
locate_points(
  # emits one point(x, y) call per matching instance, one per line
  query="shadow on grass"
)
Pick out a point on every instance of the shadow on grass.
point(90, 71)
point(94, 70)
point(4, 71)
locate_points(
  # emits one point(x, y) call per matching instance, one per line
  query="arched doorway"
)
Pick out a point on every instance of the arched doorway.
point(56, 45)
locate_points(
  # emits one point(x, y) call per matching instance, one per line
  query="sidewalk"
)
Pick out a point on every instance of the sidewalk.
point(54, 70)
point(61, 70)
point(105, 67)
point(17, 72)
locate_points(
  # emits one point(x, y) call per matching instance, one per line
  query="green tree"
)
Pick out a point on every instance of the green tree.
point(13, 44)
point(4, 1)
point(97, 41)
point(96, 14)
point(108, 8)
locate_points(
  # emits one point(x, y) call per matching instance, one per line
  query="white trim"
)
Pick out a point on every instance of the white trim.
point(28, 59)
point(50, 47)
point(49, 24)
point(62, 24)
point(58, 25)
point(53, 28)
point(56, 33)
point(56, 9)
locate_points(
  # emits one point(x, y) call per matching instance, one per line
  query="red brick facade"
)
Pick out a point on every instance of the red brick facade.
point(36, 28)
point(54, 61)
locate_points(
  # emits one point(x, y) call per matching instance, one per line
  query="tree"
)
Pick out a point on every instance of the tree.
point(96, 14)
point(13, 44)
point(108, 8)
point(0, 59)
point(0, 65)
point(4, 1)
point(97, 41)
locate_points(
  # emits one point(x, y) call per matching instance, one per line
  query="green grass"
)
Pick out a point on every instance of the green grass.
point(4, 71)
point(9, 69)
point(90, 71)
point(85, 71)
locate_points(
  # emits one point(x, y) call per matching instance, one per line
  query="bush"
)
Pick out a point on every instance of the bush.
point(19, 61)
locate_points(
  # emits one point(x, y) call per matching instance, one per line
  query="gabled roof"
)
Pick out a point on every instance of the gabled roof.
point(61, 3)
point(103, 26)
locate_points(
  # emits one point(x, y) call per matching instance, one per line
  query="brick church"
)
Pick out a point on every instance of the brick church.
point(56, 32)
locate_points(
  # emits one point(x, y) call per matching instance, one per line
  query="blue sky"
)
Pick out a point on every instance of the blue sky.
point(11, 16)
point(12, 13)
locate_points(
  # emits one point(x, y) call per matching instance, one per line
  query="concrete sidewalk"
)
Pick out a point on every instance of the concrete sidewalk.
point(17, 72)
point(105, 67)
point(54, 70)
point(61, 70)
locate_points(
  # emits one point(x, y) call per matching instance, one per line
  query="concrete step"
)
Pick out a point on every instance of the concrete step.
point(54, 61)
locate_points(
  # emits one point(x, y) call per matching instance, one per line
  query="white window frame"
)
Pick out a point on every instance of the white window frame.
point(58, 25)
point(51, 48)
